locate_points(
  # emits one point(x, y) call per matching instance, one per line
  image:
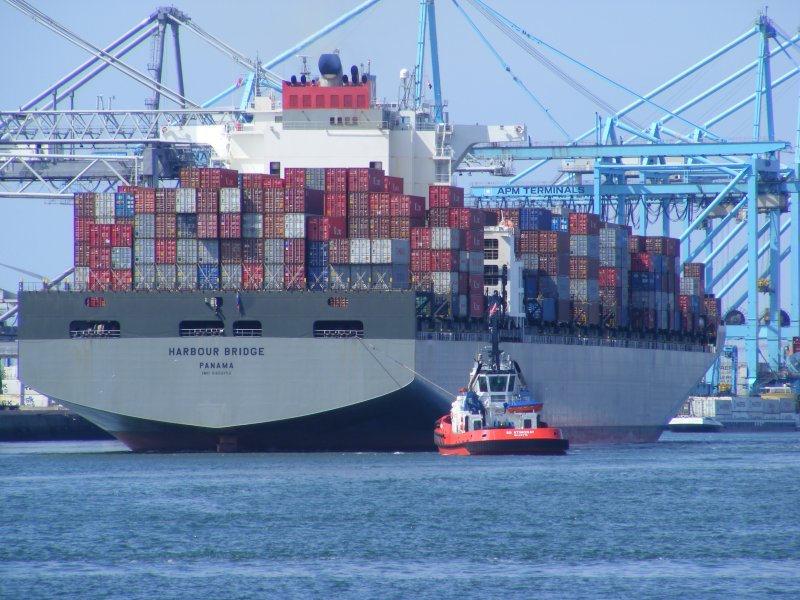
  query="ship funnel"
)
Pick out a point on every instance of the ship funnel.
point(330, 70)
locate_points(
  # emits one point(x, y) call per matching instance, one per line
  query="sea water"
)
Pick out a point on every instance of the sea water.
point(692, 516)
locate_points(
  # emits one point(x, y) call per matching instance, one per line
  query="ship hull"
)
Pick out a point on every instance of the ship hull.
point(291, 391)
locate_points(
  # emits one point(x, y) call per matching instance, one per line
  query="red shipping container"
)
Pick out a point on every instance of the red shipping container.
point(403, 205)
point(83, 204)
point(420, 238)
point(476, 305)
point(315, 229)
point(422, 281)
point(612, 276)
point(696, 270)
point(100, 279)
point(166, 226)
point(393, 185)
point(294, 251)
point(252, 275)
point(460, 218)
point(636, 243)
point(304, 200)
point(339, 251)
point(189, 177)
point(446, 196)
point(365, 180)
point(122, 235)
point(380, 227)
point(165, 200)
point(796, 345)
point(421, 260)
point(401, 227)
point(273, 225)
point(526, 242)
point(443, 260)
point(230, 225)
point(274, 200)
point(253, 250)
point(82, 226)
point(294, 276)
point(217, 178)
point(230, 251)
point(477, 219)
point(252, 199)
point(207, 226)
point(584, 223)
point(335, 228)
point(474, 240)
point(272, 182)
point(99, 258)
point(207, 201)
point(476, 283)
point(551, 242)
point(250, 180)
point(358, 227)
point(144, 200)
point(100, 236)
point(379, 204)
point(358, 204)
point(641, 262)
point(336, 204)
point(439, 217)
point(336, 181)
point(81, 254)
point(121, 280)
point(166, 251)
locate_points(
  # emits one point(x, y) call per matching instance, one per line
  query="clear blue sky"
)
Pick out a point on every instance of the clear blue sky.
point(638, 43)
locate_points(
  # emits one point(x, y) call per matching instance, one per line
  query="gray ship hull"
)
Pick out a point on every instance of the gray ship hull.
point(290, 390)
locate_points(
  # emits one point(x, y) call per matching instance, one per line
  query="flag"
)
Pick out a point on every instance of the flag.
point(238, 303)
point(493, 309)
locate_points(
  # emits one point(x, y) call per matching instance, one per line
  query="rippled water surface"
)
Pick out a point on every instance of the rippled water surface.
point(692, 516)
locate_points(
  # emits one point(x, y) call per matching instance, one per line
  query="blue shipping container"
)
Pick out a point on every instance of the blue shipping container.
point(123, 205)
point(208, 276)
point(317, 254)
point(559, 224)
point(187, 225)
point(317, 277)
point(535, 218)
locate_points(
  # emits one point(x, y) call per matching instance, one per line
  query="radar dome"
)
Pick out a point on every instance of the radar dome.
point(404, 73)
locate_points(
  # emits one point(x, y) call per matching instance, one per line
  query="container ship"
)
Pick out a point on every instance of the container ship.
point(304, 298)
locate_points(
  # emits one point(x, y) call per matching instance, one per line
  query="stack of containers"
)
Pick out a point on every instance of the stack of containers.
point(166, 239)
point(474, 262)
point(336, 205)
point(445, 253)
point(230, 234)
point(584, 266)
point(83, 219)
point(552, 248)
point(712, 310)
point(642, 285)
point(368, 210)
point(252, 202)
point(122, 242)
point(144, 238)
point(303, 197)
point(186, 224)
point(613, 275)
point(273, 230)
point(663, 253)
point(692, 292)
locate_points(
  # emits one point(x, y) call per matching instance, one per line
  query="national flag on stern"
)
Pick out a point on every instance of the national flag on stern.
point(238, 303)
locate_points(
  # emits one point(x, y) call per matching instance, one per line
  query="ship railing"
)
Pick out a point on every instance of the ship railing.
point(205, 331)
point(94, 333)
point(339, 333)
point(238, 332)
point(568, 340)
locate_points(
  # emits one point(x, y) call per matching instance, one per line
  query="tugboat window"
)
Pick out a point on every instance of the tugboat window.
point(482, 384)
point(498, 383)
point(338, 329)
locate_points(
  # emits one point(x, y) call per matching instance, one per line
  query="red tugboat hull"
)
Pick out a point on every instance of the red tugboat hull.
point(500, 441)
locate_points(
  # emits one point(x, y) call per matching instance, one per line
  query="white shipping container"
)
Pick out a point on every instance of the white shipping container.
point(144, 277)
point(230, 200)
point(121, 257)
point(294, 225)
point(186, 277)
point(360, 251)
point(166, 276)
point(273, 276)
point(144, 226)
point(104, 205)
point(186, 252)
point(529, 260)
point(273, 251)
point(584, 290)
point(444, 238)
point(380, 251)
point(186, 201)
point(445, 282)
point(110, 220)
point(144, 251)
point(231, 276)
point(207, 251)
point(80, 279)
point(252, 225)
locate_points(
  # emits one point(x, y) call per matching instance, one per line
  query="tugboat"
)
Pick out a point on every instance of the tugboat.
point(495, 413)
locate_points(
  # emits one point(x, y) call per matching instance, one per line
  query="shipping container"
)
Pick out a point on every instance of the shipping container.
point(336, 204)
point(294, 276)
point(186, 202)
point(144, 276)
point(445, 238)
point(294, 252)
point(144, 251)
point(121, 257)
point(584, 245)
point(274, 225)
point(339, 251)
point(186, 225)
point(166, 201)
point(360, 251)
point(365, 180)
point(166, 226)
point(274, 251)
point(446, 196)
point(317, 276)
point(231, 276)
point(252, 276)
point(274, 276)
point(166, 276)
point(252, 225)
point(253, 200)
point(186, 252)
point(230, 251)
point(531, 218)
point(584, 224)
point(358, 227)
point(207, 201)
point(306, 200)
point(207, 226)
point(230, 225)
point(339, 277)
point(208, 252)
